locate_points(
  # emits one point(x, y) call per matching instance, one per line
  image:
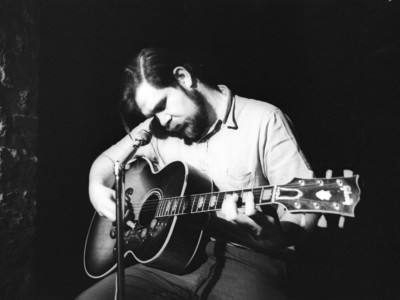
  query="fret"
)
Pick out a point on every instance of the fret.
point(207, 198)
point(266, 195)
point(201, 203)
point(161, 207)
point(181, 201)
point(228, 194)
point(157, 214)
point(194, 205)
point(178, 204)
point(168, 206)
point(241, 194)
point(246, 194)
point(257, 193)
point(174, 202)
point(220, 199)
point(185, 203)
point(213, 201)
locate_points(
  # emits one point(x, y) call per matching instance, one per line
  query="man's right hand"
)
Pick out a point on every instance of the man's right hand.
point(103, 200)
point(102, 178)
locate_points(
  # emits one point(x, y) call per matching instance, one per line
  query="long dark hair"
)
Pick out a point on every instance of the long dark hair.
point(156, 65)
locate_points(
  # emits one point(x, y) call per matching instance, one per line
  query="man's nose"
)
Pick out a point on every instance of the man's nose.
point(163, 118)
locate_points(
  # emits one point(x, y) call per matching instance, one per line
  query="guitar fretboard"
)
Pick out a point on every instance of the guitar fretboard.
point(209, 202)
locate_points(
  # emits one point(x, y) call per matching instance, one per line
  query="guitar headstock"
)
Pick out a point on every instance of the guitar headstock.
point(337, 195)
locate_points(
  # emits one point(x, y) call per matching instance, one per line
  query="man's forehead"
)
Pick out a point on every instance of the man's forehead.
point(147, 97)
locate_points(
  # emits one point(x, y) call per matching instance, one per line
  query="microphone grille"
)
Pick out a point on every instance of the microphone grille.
point(144, 136)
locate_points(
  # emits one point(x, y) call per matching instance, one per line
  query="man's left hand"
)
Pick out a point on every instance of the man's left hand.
point(261, 226)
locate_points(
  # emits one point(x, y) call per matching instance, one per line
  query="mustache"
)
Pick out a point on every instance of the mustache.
point(160, 131)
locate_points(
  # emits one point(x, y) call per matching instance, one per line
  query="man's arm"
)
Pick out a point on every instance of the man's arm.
point(296, 226)
point(282, 160)
point(102, 178)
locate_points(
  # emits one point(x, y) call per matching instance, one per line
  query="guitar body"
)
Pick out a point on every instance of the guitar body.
point(166, 243)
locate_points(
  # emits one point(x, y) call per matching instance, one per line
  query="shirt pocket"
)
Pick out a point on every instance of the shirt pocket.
point(238, 178)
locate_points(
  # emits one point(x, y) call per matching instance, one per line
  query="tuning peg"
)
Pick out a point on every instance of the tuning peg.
point(347, 173)
point(328, 174)
point(322, 222)
point(303, 220)
point(341, 222)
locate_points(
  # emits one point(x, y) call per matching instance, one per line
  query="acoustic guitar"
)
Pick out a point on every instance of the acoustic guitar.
point(166, 212)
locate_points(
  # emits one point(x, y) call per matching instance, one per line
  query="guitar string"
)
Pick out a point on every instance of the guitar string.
point(153, 208)
point(152, 205)
point(192, 197)
point(258, 192)
point(306, 209)
point(178, 202)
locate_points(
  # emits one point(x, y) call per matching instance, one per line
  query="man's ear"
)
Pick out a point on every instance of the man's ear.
point(184, 78)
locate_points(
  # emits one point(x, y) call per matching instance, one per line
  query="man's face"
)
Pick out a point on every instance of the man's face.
point(180, 111)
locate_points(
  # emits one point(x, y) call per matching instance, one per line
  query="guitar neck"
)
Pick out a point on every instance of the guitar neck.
point(209, 202)
point(338, 195)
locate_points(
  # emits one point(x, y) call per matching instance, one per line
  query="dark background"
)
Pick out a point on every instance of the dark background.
point(332, 66)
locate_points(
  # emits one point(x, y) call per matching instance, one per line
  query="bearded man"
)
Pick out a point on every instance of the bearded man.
point(240, 144)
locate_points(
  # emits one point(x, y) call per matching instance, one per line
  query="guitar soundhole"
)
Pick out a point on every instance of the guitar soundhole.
point(149, 208)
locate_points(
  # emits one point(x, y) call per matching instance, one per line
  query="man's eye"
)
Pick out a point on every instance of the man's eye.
point(160, 106)
point(163, 105)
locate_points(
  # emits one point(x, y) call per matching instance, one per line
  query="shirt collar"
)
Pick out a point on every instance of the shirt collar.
point(230, 119)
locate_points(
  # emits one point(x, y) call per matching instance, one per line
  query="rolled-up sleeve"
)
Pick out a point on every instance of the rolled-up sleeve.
point(281, 158)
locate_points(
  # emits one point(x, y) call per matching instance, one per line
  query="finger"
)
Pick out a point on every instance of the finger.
point(111, 211)
point(249, 223)
point(107, 210)
point(250, 207)
point(229, 207)
point(109, 215)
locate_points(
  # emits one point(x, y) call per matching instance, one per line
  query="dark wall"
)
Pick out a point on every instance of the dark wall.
point(19, 50)
point(332, 66)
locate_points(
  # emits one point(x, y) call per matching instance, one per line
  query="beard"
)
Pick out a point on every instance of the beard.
point(193, 128)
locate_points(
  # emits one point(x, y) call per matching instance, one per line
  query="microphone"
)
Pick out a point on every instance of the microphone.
point(142, 138)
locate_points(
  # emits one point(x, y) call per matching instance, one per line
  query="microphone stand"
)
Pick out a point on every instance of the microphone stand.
point(119, 174)
point(119, 171)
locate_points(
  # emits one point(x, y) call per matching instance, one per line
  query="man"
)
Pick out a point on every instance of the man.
point(240, 143)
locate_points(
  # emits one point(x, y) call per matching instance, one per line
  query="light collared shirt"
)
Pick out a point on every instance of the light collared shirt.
point(251, 147)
